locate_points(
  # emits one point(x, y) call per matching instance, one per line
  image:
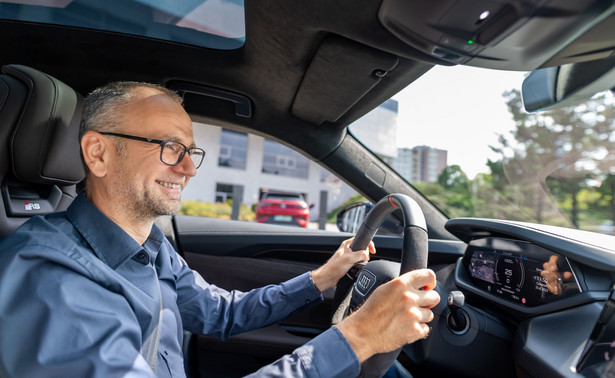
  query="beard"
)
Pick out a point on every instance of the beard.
point(156, 207)
point(143, 203)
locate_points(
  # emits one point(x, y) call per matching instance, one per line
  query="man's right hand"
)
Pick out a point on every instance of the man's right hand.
point(394, 315)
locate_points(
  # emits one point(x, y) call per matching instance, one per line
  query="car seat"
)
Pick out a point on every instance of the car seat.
point(40, 165)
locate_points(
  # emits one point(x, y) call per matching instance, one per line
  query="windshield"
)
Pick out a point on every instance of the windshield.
point(464, 141)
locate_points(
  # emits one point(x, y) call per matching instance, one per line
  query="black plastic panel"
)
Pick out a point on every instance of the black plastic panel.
point(27, 200)
point(509, 34)
point(550, 345)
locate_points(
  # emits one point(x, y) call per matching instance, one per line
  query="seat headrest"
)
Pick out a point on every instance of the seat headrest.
point(44, 146)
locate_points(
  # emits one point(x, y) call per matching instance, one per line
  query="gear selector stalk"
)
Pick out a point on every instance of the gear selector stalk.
point(457, 321)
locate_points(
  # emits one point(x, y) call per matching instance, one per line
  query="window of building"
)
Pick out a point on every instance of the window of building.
point(286, 162)
point(281, 160)
point(223, 192)
point(233, 149)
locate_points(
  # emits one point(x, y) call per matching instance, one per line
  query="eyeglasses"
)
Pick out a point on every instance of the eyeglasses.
point(171, 153)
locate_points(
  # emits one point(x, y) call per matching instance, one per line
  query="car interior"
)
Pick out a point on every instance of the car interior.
point(303, 74)
point(40, 151)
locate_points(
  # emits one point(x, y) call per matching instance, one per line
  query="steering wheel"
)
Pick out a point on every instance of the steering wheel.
point(363, 279)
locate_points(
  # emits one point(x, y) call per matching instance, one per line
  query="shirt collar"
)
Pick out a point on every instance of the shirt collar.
point(110, 242)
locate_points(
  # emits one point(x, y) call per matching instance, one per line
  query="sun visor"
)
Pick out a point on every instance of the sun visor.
point(340, 74)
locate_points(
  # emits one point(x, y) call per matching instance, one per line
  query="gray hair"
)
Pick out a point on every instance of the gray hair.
point(101, 109)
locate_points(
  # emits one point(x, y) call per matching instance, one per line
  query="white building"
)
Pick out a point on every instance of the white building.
point(378, 130)
point(420, 163)
point(255, 164)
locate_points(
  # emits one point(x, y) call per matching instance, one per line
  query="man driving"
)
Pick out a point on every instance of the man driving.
point(98, 290)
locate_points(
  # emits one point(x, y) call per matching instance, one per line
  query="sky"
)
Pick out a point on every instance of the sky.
point(459, 109)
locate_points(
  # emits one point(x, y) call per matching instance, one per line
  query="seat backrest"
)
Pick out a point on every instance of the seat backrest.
point(39, 150)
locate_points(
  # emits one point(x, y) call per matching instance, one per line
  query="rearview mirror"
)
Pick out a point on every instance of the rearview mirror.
point(554, 87)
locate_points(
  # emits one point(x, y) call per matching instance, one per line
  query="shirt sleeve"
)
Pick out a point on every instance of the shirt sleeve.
point(55, 321)
point(208, 309)
point(328, 355)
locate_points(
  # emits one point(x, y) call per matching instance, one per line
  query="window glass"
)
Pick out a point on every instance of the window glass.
point(233, 149)
point(301, 188)
point(460, 135)
point(281, 160)
point(378, 130)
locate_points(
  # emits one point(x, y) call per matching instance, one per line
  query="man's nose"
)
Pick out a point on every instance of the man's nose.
point(186, 167)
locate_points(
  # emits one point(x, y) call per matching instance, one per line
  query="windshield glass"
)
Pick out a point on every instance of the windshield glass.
point(464, 141)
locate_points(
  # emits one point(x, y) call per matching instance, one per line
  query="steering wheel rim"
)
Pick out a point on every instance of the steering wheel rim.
point(414, 256)
point(413, 219)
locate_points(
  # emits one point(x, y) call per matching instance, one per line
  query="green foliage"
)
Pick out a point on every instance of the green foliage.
point(555, 155)
point(453, 178)
point(457, 191)
point(436, 194)
point(554, 169)
point(215, 210)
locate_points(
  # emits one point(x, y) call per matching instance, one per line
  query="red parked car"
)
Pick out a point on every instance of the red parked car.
point(283, 208)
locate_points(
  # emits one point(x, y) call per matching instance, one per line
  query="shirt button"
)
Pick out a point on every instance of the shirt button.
point(143, 258)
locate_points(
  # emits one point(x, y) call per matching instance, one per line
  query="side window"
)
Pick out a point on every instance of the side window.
point(281, 160)
point(276, 184)
point(233, 149)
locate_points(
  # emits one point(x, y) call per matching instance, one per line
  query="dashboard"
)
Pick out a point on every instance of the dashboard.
point(547, 285)
point(525, 270)
point(520, 271)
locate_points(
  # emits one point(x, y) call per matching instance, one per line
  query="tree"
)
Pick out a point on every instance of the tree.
point(453, 178)
point(457, 189)
point(554, 152)
point(607, 193)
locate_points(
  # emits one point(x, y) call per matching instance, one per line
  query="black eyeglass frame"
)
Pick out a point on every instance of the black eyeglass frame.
point(188, 150)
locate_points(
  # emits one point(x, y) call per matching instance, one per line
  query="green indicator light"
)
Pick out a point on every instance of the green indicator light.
point(470, 42)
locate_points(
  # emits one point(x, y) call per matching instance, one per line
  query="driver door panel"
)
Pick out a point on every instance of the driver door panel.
point(244, 256)
point(244, 353)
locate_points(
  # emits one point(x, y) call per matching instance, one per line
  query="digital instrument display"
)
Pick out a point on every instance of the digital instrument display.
point(519, 271)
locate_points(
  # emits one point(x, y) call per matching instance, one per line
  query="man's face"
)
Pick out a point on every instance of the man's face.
point(143, 185)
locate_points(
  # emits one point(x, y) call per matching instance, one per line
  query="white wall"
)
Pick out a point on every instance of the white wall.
point(203, 186)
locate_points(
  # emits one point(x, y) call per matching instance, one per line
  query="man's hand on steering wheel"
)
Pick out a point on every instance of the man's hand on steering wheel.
point(395, 314)
point(336, 267)
point(399, 296)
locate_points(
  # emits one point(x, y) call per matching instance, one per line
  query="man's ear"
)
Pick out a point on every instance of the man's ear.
point(95, 153)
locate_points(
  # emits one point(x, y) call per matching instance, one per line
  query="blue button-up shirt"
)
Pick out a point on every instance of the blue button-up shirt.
point(80, 297)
